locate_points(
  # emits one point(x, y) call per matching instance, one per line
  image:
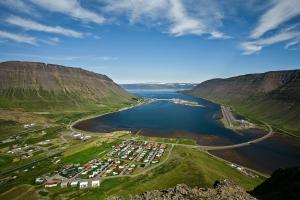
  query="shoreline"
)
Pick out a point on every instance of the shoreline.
point(70, 126)
point(201, 147)
point(279, 129)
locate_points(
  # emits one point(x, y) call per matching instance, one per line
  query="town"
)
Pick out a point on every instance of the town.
point(123, 159)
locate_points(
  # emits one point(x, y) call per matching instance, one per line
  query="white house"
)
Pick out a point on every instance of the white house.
point(96, 183)
point(83, 184)
point(74, 184)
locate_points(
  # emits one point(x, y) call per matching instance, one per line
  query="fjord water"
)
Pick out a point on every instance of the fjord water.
point(166, 119)
point(163, 118)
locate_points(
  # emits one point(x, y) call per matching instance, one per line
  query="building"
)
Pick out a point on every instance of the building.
point(51, 183)
point(96, 183)
point(83, 185)
point(64, 184)
point(39, 180)
point(74, 184)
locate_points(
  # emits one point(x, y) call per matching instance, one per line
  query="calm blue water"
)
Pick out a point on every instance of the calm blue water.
point(166, 119)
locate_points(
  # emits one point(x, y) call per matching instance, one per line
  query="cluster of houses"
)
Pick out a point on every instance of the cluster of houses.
point(25, 151)
point(29, 125)
point(123, 159)
point(95, 167)
point(245, 124)
point(11, 139)
point(81, 136)
point(146, 152)
point(243, 170)
point(63, 184)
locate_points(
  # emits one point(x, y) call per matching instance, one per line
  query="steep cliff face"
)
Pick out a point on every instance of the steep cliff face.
point(272, 96)
point(33, 85)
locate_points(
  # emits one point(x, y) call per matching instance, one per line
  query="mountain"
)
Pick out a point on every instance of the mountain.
point(39, 86)
point(156, 86)
point(283, 184)
point(271, 96)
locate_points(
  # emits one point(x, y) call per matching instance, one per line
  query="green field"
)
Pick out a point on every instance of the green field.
point(88, 154)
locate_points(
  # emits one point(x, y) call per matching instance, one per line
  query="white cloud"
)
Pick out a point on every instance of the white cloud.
point(293, 44)
point(106, 58)
point(280, 12)
point(18, 5)
point(217, 34)
point(35, 26)
point(51, 41)
point(251, 47)
point(71, 8)
point(183, 24)
point(18, 38)
point(179, 17)
point(63, 57)
point(271, 27)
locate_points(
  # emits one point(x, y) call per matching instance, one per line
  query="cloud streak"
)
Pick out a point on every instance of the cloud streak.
point(257, 45)
point(71, 8)
point(17, 5)
point(177, 16)
point(281, 12)
point(271, 27)
point(18, 38)
point(35, 26)
point(65, 57)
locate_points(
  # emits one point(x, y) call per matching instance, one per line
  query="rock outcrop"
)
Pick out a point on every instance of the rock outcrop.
point(222, 190)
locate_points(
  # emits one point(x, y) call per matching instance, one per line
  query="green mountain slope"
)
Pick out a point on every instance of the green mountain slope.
point(272, 96)
point(38, 86)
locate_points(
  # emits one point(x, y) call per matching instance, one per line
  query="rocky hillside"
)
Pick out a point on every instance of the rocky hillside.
point(224, 189)
point(272, 96)
point(40, 86)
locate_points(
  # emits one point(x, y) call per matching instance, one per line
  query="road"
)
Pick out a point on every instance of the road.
point(270, 133)
point(228, 116)
point(30, 163)
point(203, 147)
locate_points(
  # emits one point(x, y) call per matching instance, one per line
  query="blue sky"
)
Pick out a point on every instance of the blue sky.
point(154, 41)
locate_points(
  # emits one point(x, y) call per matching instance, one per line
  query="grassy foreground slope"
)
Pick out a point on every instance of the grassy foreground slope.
point(273, 96)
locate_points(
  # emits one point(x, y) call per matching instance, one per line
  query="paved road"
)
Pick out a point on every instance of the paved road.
point(270, 133)
point(228, 116)
point(203, 147)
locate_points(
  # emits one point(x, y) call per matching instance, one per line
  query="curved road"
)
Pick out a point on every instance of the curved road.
point(203, 147)
point(270, 133)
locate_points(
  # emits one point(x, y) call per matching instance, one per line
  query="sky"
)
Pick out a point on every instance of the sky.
point(135, 41)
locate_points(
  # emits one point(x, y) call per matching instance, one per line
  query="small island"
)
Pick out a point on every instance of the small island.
point(186, 103)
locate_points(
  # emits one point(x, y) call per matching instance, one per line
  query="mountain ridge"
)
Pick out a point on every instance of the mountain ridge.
point(272, 96)
point(25, 83)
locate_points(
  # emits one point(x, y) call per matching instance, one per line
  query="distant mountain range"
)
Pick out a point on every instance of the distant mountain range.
point(158, 85)
point(40, 86)
point(271, 96)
